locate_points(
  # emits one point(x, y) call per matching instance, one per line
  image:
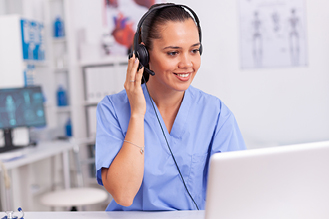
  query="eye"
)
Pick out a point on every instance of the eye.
point(172, 53)
point(195, 50)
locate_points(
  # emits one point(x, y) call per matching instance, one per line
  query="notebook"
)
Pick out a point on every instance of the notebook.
point(285, 182)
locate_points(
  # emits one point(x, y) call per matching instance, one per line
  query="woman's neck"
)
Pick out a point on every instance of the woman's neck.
point(168, 103)
point(165, 98)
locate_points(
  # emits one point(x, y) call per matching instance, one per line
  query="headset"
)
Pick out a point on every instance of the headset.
point(142, 54)
point(140, 50)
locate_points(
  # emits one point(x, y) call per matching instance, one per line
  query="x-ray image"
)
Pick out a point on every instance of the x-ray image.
point(272, 33)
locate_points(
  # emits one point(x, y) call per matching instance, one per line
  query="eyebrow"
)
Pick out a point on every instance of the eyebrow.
point(177, 47)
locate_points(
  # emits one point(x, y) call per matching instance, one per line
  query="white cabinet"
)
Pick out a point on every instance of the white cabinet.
point(103, 77)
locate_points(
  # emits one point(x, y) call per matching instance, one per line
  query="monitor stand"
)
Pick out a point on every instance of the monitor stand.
point(9, 146)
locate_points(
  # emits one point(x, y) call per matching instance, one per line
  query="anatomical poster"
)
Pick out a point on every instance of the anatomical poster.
point(272, 33)
point(120, 23)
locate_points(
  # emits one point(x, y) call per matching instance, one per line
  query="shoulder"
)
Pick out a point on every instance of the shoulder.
point(209, 105)
point(113, 102)
point(114, 99)
point(205, 100)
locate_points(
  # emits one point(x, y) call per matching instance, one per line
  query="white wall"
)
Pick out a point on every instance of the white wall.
point(33, 9)
point(273, 106)
point(2, 7)
point(93, 23)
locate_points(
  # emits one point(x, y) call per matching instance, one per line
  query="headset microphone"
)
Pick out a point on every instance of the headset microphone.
point(149, 71)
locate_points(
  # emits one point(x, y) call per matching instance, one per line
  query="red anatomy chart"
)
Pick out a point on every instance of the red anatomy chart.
point(120, 23)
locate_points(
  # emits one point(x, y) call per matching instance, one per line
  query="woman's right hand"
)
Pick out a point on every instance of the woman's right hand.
point(134, 89)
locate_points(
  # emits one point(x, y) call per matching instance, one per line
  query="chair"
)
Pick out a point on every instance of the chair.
point(75, 197)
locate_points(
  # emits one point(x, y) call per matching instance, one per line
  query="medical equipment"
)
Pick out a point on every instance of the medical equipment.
point(20, 107)
point(10, 214)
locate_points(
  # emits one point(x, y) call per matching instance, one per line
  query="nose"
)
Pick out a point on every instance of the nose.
point(185, 61)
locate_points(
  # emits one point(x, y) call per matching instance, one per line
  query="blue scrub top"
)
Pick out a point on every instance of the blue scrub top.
point(203, 126)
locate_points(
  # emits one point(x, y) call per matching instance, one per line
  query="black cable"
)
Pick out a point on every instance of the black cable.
point(169, 146)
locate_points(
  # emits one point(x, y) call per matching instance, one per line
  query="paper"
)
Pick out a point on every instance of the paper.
point(272, 33)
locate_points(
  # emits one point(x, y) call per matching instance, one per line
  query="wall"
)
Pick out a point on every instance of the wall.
point(273, 106)
point(2, 7)
point(33, 9)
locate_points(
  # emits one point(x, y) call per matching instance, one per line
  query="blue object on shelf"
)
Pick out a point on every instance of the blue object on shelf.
point(58, 27)
point(61, 97)
point(68, 128)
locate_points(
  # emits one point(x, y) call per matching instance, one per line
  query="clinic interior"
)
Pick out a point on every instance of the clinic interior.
point(268, 62)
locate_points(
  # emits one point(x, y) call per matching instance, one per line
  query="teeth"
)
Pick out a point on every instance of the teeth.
point(183, 75)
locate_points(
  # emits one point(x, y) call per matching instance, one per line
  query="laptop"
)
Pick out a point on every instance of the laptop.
point(285, 182)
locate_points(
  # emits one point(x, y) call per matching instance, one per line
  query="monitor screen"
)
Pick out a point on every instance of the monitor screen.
point(21, 107)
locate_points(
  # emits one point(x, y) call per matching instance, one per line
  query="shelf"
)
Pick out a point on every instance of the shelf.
point(91, 180)
point(36, 63)
point(110, 60)
point(90, 160)
point(59, 40)
point(91, 103)
point(61, 70)
point(63, 109)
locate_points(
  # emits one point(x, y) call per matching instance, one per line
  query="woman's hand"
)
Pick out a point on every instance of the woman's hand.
point(124, 177)
point(133, 87)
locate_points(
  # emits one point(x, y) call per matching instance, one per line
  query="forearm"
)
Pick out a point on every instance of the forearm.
point(124, 177)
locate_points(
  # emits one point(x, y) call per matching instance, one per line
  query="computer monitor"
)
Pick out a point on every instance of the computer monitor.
point(20, 107)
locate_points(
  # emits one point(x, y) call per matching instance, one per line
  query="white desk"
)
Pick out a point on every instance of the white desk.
point(43, 150)
point(114, 215)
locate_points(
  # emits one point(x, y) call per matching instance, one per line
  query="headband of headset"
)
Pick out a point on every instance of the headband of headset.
point(140, 23)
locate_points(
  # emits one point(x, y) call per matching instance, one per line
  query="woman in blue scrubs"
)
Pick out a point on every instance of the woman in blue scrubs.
point(154, 139)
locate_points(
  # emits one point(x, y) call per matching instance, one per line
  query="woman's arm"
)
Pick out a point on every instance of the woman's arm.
point(124, 176)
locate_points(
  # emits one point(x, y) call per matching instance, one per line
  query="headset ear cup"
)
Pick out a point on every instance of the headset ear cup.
point(142, 54)
point(200, 49)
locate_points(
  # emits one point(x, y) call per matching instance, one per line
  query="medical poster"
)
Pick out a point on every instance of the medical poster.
point(32, 40)
point(120, 22)
point(272, 33)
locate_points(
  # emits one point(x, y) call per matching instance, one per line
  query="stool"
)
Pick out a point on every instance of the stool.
point(77, 196)
point(74, 197)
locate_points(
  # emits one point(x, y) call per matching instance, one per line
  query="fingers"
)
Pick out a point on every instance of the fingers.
point(133, 73)
point(133, 87)
point(131, 63)
point(139, 76)
point(134, 70)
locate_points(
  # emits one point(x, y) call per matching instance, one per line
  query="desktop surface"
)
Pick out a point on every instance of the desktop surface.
point(26, 155)
point(115, 215)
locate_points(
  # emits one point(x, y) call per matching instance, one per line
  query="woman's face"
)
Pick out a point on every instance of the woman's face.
point(175, 57)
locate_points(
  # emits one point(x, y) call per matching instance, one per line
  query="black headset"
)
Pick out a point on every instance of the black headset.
point(140, 50)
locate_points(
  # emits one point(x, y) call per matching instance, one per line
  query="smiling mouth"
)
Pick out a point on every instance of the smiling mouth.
point(182, 75)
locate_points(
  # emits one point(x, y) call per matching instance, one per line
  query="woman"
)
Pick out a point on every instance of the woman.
point(180, 126)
